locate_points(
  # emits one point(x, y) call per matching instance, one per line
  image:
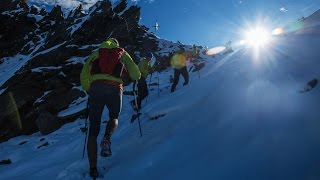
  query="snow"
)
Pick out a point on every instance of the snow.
point(11, 65)
point(41, 99)
point(37, 17)
point(72, 45)
point(50, 49)
point(3, 90)
point(76, 60)
point(243, 118)
point(76, 26)
point(41, 69)
point(62, 74)
point(53, 23)
point(168, 47)
point(75, 107)
point(11, 13)
point(90, 45)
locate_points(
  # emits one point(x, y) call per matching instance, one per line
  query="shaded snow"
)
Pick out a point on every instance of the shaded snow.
point(90, 45)
point(11, 65)
point(41, 69)
point(37, 17)
point(81, 20)
point(76, 60)
point(3, 90)
point(41, 99)
point(75, 107)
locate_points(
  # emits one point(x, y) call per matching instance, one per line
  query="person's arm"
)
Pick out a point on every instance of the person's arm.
point(85, 72)
point(145, 67)
point(132, 68)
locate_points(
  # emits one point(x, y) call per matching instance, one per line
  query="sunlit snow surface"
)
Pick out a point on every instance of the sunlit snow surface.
point(244, 118)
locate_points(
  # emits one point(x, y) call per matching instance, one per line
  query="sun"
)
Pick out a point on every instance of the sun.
point(257, 37)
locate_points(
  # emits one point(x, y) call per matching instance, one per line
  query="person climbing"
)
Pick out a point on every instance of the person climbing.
point(101, 76)
point(179, 63)
point(145, 69)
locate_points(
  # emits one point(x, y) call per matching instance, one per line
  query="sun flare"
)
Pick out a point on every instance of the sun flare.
point(257, 37)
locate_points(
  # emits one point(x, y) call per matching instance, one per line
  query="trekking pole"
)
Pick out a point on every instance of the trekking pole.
point(158, 85)
point(137, 109)
point(199, 73)
point(147, 87)
point(86, 128)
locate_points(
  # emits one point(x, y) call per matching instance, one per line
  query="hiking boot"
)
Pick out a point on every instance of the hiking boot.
point(106, 147)
point(94, 172)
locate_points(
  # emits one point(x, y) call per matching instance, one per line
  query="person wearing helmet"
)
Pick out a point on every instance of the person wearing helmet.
point(179, 64)
point(101, 77)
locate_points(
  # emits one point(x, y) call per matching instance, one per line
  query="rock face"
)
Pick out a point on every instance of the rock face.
point(54, 48)
point(47, 123)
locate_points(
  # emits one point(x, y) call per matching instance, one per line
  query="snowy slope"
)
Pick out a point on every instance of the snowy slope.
point(244, 118)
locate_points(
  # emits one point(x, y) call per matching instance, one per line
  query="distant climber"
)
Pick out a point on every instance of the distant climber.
point(228, 47)
point(101, 76)
point(179, 63)
point(310, 85)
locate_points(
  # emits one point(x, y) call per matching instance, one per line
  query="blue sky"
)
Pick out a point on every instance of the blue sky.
point(214, 22)
point(209, 22)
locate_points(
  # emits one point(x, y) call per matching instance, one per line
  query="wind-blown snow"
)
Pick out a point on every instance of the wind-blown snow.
point(244, 118)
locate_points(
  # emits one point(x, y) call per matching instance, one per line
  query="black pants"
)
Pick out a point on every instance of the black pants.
point(101, 95)
point(184, 72)
point(142, 91)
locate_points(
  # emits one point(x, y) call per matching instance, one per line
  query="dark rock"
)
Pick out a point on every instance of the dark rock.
point(8, 5)
point(310, 85)
point(56, 14)
point(13, 30)
point(198, 67)
point(76, 13)
point(47, 123)
point(5, 162)
point(43, 145)
point(157, 117)
point(43, 12)
point(24, 5)
point(120, 7)
point(50, 44)
point(34, 10)
point(23, 142)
